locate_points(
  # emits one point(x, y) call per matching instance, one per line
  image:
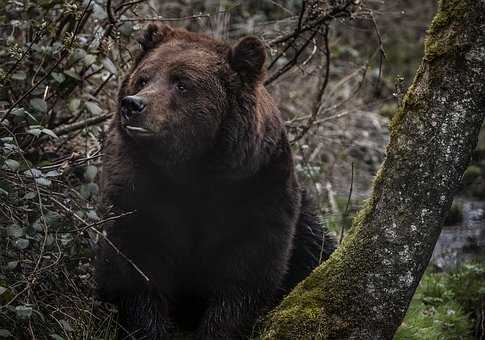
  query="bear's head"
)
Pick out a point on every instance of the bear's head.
point(191, 100)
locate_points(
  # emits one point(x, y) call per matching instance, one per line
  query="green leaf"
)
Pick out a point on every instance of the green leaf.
point(89, 190)
point(12, 164)
point(74, 104)
point(30, 195)
point(93, 108)
point(59, 77)
point(49, 240)
point(89, 59)
point(79, 53)
point(90, 173)
point(56, 337)
point(20, 75)
point(38, 104)
point(37, 225)
point(5, 334)
point(65, 325)
point(52, 173)
point(91, 214)
point(33, 173)
point(36, 132)
point(23, 312)
point(72, 74)
point(43, 181)
point(65, 239)
point(49, 133)
point(21, 243)
point(99, 12)
point(109, 65)
point(18, 112)
point(15, 231)
point(11, 265)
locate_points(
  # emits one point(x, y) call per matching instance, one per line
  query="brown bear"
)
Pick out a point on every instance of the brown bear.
point(221, 228)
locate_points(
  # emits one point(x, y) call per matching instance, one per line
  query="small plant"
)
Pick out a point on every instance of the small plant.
point(447, 306)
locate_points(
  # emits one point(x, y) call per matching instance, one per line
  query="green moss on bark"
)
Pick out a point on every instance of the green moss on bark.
point(445, 35)
point(410, 100)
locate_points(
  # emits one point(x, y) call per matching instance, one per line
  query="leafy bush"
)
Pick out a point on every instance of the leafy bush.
point(57, 84)
point(446, 306)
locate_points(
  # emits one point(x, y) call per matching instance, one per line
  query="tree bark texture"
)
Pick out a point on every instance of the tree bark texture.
point(364, 289)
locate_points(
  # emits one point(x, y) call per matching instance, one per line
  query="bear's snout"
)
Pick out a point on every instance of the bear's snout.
point(132, 106)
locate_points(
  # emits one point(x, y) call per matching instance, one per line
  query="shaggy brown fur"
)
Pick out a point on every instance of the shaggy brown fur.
point(200, 152)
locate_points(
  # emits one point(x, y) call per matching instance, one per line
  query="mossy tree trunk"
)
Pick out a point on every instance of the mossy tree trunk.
point(364, 289)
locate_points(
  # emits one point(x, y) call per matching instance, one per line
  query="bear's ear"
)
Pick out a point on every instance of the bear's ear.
point(247, 58)
point(154, 35)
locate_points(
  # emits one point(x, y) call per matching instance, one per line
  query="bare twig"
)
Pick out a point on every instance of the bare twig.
point(62, 130)
point(318, 102)
point(104, 237)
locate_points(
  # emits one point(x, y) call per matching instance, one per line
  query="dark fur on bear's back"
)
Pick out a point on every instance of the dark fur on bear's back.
point(221, 227)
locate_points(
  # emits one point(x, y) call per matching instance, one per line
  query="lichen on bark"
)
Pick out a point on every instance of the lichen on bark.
point(363, 290)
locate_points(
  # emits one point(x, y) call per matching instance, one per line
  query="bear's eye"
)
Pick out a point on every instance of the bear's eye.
point(141, 83)
point(181, 87)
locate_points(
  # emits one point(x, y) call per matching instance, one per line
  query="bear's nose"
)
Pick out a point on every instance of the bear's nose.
point(131, 105)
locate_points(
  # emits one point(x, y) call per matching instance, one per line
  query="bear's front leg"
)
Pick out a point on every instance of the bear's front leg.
point(144, 316)
point(231, 314)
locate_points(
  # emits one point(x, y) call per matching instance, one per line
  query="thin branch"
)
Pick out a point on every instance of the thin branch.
point(318, 102)
point(104, 237)
point(63, 130)
point(109, 11)
point(290, 63)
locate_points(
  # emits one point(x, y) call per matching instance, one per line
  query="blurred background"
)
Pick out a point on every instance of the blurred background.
point(337, 70)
